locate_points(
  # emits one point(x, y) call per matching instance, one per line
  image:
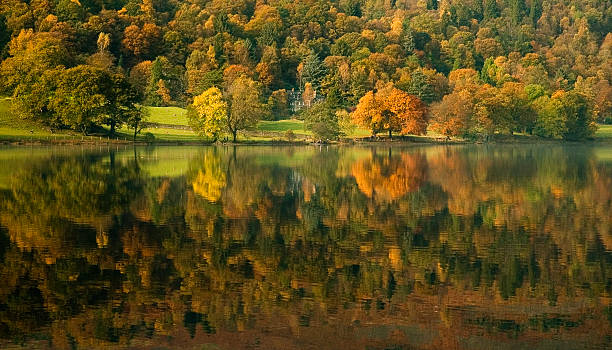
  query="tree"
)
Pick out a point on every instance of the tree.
point(68, 10)
point(391, 110)
point(31, 54)
point(517, 10)
point(32, 101)
point(409, 110)
point(579, 120)
point(80, 99)
point(309, 95)
point(245, 108)
point(278, 105)
point(5, 36)
point(311, 70)
point(140, 76)
point(142, 43)
point(202, 71)
point(134, 119)
point(419, 86)
point(122, 105)
point(453, 115)
point(550, 122)
point(367, 113)
point(102, 59)
point(269, 70)
point(208, 114)
point(564, 115)
point(519, 106)
point(322, 120)
point(165, 84)
point(490, 9)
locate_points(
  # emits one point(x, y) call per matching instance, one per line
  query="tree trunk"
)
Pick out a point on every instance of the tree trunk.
point(390, 133)
point(234, 134)
point(113, 125)
point(135, 132)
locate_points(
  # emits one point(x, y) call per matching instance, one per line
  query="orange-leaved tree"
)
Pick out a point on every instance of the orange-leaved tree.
point(367, 113)
point(453, 116)
point(408, 111)
point(392, 110)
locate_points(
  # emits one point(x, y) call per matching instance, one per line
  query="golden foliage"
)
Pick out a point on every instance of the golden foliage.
point(389, 178)
point(210, 180)
point(392, 110)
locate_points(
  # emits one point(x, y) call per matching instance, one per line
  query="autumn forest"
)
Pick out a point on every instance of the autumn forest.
point(306, 174)
point(469, 68)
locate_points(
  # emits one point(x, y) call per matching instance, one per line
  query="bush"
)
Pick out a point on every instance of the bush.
point(149, 137)
point(321, 119)
point(289, 135)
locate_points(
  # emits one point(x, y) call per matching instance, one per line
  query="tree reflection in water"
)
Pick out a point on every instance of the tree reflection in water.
point(432, 247)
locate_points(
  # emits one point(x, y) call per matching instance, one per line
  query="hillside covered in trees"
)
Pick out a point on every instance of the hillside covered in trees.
point(457, 67)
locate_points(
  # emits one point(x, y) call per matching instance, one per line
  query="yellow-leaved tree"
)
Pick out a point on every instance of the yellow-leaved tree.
point(208, 114)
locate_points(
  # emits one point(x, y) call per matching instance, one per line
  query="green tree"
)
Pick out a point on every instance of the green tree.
point(68, 10)
point(311, 70)
point(550, 122)
point(33, 101)
point(80, 100)
point(208, 114)
point(5, 36)
point(166, 83)
point(122, 104)
point(578, 116)
point(322, 121)
point(490, 9)
point(278, 105)
point(244, 105)
point(535, 11)
point(517, 10)
point(488, 72)
point(420, 87)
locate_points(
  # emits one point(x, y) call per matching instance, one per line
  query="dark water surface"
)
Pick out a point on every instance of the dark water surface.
point(463, 247)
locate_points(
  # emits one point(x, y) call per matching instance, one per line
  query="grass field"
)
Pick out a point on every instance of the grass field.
point(167, 115)
point(282, 126)
point(13, 129)
point(604, 132)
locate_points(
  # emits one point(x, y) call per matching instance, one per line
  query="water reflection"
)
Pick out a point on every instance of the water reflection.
point(434, 247)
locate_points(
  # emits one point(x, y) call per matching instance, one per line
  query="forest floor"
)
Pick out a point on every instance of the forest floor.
point(170, 125)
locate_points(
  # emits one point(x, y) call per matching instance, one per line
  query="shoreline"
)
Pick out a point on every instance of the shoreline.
point(396, 141)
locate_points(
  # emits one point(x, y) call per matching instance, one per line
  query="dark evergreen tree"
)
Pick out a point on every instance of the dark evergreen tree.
point(313, 70)
point(490, 9)
point(517, 10)
point(420, 87)
point(535, 11)
point(5, 36)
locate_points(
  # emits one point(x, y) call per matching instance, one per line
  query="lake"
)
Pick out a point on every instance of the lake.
point(416, 247)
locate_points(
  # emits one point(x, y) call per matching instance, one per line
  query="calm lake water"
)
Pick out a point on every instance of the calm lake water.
point(459, 247)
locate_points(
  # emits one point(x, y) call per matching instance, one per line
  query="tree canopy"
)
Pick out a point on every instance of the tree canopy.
point(174, 51)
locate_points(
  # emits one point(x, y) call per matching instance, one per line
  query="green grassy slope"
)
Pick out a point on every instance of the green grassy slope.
point(13, 128)
point(167, 115)
point(282, 126)
point(604, 132)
